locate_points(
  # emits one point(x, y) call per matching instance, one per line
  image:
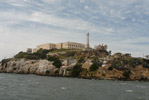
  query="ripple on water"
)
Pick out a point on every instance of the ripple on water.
point(141, 86)
point(32, 87)
point(129, 90)
point(63, 88)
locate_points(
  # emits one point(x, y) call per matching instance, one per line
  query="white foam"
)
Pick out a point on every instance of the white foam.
point(141, 86)
point(63, 88)
point(129, 90)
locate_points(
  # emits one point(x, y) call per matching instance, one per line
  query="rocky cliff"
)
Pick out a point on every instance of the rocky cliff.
point(45, 67)
point(23, 66)
point(78, 65)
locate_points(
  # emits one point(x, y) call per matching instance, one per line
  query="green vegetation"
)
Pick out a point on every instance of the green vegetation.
point(70, 53)
point(127, 63)
point(119, 65)
point(26, 55)
point(56, 60)
point(84, 71)
point(59, 50)
point(40, 54)
point(76, 70)
point(81, 60)
point(110, 68)
point(127, 74)
point(146, 63)
point(96, 64)
point(133, 61)
point(4, 61)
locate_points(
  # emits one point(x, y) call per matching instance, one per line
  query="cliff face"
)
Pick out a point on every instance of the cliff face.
point(45, 67)
point(139, 73)
point(22, 66)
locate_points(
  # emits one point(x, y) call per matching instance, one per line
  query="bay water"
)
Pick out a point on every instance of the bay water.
point(34, 87)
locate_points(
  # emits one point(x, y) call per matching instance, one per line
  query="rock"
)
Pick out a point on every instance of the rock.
point(45, 68)
point(22, 66)
point(87, 64)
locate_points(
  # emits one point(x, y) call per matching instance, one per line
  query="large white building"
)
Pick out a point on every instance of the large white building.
point(70, 45)
point(65, 45)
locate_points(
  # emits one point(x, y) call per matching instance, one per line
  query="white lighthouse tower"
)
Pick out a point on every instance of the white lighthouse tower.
point(87, 41)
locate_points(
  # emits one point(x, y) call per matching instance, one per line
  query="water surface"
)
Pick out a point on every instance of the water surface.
point(33, 87)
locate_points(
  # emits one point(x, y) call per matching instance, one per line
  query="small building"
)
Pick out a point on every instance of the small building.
point(118, 55)
point(29, 50)
point(100, 47)
point(127, 55)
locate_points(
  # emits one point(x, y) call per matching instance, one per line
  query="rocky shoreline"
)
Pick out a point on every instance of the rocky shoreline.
point(46, 68)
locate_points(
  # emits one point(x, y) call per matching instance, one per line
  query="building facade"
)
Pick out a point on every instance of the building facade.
point(65, 45)
point(73, 45)
point(29, 50)
point(59, 45)
point(46, 46)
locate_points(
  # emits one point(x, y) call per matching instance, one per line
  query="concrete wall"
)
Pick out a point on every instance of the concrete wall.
point(59, 45)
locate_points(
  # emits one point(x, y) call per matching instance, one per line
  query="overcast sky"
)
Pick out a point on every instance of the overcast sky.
point(121, 24)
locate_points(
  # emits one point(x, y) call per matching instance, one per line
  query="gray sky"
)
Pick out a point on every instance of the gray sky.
point(121, 24)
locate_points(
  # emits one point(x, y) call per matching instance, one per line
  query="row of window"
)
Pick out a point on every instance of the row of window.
point(74, 45)
point(52, 46)
point(74, 48)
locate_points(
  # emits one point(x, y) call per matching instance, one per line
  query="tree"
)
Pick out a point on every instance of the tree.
point(56, 60)
point(81, 60)
point(76, 70)
point(95, 65)
point(126, 74)
point(4, 61)
point(40, 54)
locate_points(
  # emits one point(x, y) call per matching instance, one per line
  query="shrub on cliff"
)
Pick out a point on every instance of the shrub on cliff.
point(132, 62)
point(95, 65)
point(146, 63)
point(26, 55)
point(126, 74)
point(70, 53)
point(81, 60)
point(125, 64)
point(40, 54)
point(110, 68)
point(76, 70)
point(4, 61)
point(56, 62)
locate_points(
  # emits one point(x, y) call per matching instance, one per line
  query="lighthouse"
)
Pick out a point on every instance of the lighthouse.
point(87, 41)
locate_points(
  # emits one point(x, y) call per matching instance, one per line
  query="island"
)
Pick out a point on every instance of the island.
point(71, 59)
